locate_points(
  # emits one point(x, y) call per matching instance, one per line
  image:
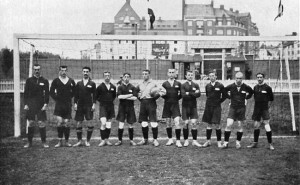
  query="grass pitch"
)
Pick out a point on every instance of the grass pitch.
point(150, 165)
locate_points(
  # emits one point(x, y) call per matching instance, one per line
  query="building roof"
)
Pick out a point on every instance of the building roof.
point(126, 10)
point(164, 24)
point(107, 28)
point(199, 10)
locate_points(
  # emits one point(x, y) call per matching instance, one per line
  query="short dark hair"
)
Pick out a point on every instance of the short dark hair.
point(106, 72)
point(212, 71)
point(261, 74)
point(64, 66)
point(86, 67)
point(189, 71)
point(147, 70)
point(36, 65)
point(126, 73)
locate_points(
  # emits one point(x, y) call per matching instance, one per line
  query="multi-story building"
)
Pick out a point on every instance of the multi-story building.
point(197, 19)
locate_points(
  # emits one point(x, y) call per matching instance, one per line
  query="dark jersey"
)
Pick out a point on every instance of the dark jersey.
point(125, 90)
point(104, 95)
point(190, 99)
point(238, 97)
point(61, 92)
point(263, 93)
point(215, 94)
point(36, 91)
point(173, 93)
point(85, 94)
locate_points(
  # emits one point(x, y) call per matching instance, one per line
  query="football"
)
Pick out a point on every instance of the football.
point(154, 91)
point(157, 90)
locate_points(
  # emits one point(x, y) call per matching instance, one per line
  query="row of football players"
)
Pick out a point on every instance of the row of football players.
point(85, 94)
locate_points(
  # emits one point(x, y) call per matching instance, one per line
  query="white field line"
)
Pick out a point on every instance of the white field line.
point(162, 138)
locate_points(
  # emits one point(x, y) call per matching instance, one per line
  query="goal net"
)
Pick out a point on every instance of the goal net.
point(276, 57)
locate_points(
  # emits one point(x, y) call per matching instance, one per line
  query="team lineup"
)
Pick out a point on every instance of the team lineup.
point(85, 94)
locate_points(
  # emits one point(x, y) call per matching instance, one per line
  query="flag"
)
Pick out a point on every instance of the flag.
point(280, 10)
point(152, 17)
point(269, 53)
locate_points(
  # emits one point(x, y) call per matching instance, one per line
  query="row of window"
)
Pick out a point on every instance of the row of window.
point(163, 26)
point(218, 32)
point(133, 57)
point(133, 42)
point(219, 23)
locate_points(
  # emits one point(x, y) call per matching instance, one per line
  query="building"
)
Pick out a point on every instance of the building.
point(198, 20)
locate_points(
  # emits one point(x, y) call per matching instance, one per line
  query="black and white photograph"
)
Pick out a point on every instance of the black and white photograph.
point(157, 92)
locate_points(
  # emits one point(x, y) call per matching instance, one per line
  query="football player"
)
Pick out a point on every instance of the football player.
point(171, 106)
point(127, 94)
point(62, 91)
point(262, 96)
point(148, 108)
point(84, 105)
point(36, 99)
point(190, 92)
point(106, 94)
point(215, 95)
point(239, 92)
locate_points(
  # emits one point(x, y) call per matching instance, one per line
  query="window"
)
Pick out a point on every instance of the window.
point(155, 33)
point(132, 33)
point(209, 31)
point(220, 32)
point(190, 32)
point(158, 25)
point(126, 57)
point(209, 23)
point(199, 24)
point(219, 23)
point(175, 49)
point(174, 26)
point(166, 57)
point(126, 41)
point(132, 41)
point(120, 41)
point(120, 25)
point(132, 18)
point(112, 57)
point(163, 25)
point(199, 32)
point(133, 57)
point(168, 26)
point(229, 32)
point(175, 42)
point(120, 57)
point(190, 23)
point(228, 23)
point(111, 50)
point(234, 32)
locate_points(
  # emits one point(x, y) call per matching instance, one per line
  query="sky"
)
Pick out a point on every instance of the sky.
point(86, 16)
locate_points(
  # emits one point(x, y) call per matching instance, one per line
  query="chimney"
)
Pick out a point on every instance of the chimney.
point(236, 11)
point(212, 3)
point(128, 1)
point(222, 7)
point(231, 9)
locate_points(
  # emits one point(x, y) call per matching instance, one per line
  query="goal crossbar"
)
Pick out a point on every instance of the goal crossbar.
point(19, 36)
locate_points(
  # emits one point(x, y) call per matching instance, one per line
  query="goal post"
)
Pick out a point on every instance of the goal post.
point(146, 55)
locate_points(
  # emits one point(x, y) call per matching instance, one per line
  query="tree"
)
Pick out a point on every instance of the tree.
point(6, 59)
